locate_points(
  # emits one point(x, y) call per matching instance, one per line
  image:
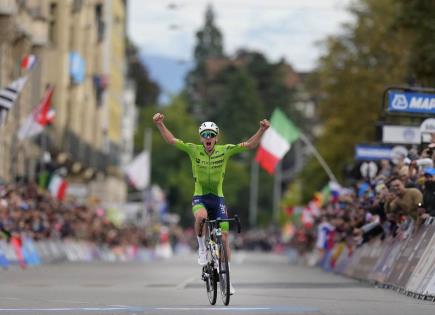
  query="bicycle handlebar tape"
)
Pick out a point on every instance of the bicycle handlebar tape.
point(239, 227)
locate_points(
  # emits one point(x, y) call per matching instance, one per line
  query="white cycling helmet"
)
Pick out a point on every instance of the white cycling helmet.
point(208, 126)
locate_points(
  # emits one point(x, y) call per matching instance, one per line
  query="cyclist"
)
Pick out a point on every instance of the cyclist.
point(209, 161)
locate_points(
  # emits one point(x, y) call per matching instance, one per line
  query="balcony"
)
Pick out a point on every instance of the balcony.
point(8, 7)
point(39, 32)
point(88, 156)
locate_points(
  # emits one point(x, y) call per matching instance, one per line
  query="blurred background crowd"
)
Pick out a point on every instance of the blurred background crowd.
point(392, 203)
point(27, 211)
point(78, 93)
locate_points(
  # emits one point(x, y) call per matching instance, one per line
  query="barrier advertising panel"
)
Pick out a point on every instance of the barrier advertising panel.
point(423, 272)
point(410, 255)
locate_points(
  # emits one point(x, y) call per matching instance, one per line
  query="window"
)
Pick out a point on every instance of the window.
point(99, 20)
point(52, 24)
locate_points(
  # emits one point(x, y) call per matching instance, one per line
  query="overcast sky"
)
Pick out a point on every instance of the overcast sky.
point(278, 28)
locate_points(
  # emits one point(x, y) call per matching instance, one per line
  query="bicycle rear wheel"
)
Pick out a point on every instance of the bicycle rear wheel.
point(224, 274)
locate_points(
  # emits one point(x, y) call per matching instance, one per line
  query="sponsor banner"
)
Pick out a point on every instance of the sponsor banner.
point(368, 260)
point(401, 134)
point(343, 260)
point(389, 250)
point(363, 261)
point(372, 152)
point(427, 126)
point(411, 102)
point(425, 268)
point(430, 288)
point(410, 255)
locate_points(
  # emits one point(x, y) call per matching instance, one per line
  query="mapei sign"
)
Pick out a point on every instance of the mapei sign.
point(411, 102)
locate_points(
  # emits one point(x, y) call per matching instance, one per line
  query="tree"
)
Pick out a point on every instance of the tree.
point(147, 91)
point(418, 18)
point(209, 40)
point(351, 78)
point(209, 44)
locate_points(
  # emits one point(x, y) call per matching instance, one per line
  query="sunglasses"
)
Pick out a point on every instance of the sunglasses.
point(208, 134)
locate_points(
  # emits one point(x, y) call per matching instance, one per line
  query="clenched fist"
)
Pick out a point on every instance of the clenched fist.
point(158, 118)
point(264, 124)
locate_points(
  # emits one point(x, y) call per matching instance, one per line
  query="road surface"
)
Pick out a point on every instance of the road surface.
point(265, 284)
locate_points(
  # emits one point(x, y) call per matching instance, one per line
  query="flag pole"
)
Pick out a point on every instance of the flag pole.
point(253, 196)
point(277, 192)
point(319, 158)
point(148, 142)
point(146, 193)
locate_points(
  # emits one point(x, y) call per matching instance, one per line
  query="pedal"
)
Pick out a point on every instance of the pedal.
point(205, 275)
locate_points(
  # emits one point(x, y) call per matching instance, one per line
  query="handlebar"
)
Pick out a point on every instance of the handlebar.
point(219, 220)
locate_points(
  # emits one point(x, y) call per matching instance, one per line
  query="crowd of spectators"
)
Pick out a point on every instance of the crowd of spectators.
point(393, 203)
point(27, 210)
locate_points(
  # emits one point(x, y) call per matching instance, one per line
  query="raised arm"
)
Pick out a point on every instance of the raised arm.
point(166, 134)
point(255, 139)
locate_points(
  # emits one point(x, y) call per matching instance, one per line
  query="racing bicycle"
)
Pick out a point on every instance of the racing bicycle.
point(217, 268)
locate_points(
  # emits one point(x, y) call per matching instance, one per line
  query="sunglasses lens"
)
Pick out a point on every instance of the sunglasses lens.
point(208, 134)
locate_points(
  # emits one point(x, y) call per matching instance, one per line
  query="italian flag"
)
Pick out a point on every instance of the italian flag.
point(58, 187)
point(276, 141)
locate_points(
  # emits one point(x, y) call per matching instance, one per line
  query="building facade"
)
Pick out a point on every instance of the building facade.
point(80, 48)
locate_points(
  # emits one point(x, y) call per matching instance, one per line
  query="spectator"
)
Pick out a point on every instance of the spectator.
point(404, 203)
point(429, 192)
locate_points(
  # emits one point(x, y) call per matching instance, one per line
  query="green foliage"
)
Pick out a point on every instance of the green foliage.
point(209, 40)
point(350, 82)
point(239, 109)
point(418, 18)
point(147, 91)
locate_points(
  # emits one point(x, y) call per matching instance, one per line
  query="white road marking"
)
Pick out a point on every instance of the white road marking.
point(183, 284)
point(8, 298)
point(65, 309)
point(213, 308)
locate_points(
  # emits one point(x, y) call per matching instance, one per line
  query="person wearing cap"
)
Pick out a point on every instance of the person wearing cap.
point(209, 162)
point(429, 193)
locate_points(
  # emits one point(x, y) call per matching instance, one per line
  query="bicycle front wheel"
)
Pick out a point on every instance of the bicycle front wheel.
point(224, 274)
point(211, 284)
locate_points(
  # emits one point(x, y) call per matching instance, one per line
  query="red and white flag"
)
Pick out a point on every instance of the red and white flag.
point(41, 117)
point(276, 141)
point(57, 187)
point(28, 62)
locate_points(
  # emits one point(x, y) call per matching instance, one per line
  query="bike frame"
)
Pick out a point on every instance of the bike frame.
point(217, 269)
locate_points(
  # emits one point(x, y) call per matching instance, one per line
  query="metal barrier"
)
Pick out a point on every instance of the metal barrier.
point(26, 252)
point(406, 266)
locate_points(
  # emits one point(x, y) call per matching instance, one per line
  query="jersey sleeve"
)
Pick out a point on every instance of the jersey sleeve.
point(186, 147)
point(231, 149)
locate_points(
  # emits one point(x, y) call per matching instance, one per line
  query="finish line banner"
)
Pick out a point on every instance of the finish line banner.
point(411, 102)
point(372, 153)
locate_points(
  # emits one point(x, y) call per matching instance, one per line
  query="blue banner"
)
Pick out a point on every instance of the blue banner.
point(372, 153)
point(411, 102)
point(77, 67)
